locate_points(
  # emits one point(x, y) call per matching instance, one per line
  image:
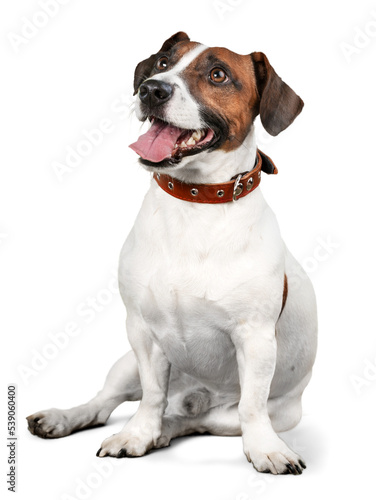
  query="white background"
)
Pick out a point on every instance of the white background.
point(60, 240)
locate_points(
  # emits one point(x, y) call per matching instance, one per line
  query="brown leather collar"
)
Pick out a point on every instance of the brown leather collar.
point(237, 188)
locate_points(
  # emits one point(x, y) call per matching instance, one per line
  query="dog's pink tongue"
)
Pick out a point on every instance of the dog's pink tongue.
point(158, 142)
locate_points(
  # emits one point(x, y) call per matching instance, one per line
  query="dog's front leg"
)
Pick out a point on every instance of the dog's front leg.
point(143, 430)
point(256, 350)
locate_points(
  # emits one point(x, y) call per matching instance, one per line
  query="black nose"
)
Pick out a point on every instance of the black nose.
point(154, 93)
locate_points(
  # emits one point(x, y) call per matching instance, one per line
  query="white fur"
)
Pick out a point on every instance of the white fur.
point(203, 287)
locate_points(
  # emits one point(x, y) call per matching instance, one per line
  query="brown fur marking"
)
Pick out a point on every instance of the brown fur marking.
point(285, 292)
point(237, 100)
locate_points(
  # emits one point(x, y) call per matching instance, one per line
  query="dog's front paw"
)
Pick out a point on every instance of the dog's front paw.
point(51, 423)
point(126, 444)
point(274, 457)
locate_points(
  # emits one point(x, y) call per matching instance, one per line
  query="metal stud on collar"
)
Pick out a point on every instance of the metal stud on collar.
point(250, 184)
point(194, 192)
point(170, 186)
point(220, 193)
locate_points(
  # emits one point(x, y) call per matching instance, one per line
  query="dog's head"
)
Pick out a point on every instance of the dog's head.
point(201, 99)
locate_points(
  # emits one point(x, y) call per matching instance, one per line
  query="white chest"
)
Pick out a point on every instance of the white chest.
point(189, 270)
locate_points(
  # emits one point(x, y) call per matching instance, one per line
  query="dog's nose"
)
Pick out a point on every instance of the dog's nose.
point(154, 93)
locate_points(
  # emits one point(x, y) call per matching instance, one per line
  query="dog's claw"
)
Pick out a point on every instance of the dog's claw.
point(290, 469)
point(98, 452)
point(298, 470)
point(302, 464)
point(122, 453)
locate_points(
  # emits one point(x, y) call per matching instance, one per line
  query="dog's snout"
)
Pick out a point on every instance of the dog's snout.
point(154, 92)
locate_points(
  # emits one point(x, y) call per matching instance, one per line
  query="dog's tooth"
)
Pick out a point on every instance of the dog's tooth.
point(191, 141)
point(196, 136)
point(183, 144)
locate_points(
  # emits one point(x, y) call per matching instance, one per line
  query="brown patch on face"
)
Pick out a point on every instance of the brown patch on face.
point(229, 107)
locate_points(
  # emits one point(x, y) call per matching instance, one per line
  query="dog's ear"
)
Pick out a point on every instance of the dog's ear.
point(144, 68)
point(173, 40)
point(279, 105)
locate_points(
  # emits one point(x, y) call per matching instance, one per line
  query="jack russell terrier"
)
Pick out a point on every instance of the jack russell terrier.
point(221, 343)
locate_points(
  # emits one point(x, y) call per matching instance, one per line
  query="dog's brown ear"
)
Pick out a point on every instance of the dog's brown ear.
point(279, 105)
point(144, 68)
point(180, 36)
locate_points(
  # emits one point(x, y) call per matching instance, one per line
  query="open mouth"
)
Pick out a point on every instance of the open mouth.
point(165, 145)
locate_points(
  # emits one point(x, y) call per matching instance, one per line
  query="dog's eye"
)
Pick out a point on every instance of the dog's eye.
point(217, 75)
point(162, 63)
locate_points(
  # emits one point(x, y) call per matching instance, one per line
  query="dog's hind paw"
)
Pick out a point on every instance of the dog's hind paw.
point(51, 423)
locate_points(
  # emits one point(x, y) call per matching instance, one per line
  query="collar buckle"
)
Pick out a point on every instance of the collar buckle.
point(238, 188)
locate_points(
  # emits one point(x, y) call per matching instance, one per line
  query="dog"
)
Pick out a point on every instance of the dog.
point(223, 334)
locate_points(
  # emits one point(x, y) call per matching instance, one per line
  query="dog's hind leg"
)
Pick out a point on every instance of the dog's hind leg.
point(122, 384)
point(219, 421)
